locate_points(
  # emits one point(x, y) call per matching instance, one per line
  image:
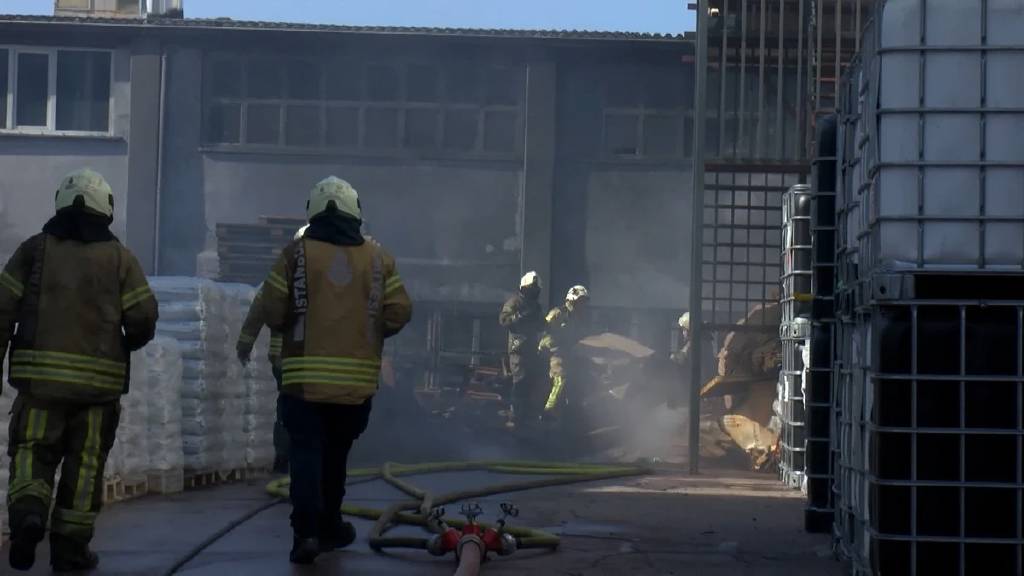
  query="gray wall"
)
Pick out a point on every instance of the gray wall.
point(32, 167)
point(429, 212)
point(637, 234)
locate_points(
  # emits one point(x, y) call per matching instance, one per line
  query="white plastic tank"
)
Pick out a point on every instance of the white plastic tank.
point(938, 164)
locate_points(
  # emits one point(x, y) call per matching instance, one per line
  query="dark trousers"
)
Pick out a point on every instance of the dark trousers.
point(320, 437)
point(527, 372)
point(78, 437)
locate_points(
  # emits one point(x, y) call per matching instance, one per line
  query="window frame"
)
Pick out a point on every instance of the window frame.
point(13, 50)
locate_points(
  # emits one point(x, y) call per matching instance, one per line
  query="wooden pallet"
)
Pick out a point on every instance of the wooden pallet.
point(111, 486)
point(167, 482)
point(131, 489)
point(117, 489)
point(197, 480)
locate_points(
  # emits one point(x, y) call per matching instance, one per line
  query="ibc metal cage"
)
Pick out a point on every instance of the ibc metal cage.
point(794, 333)
point(930, 418)
point(818, 383)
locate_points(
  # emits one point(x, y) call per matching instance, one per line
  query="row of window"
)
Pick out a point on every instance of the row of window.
point(55, 90)
point(301, 104)
point(268, 101)
point(363, 127)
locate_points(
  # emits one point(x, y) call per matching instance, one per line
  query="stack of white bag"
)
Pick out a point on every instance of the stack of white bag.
point(129, 456)
point(6, 401)
point(156, 372)
point(237, 298)
point(258, 389)
point(192, 312)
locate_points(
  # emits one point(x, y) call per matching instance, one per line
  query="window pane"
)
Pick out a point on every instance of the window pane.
point(460, 128)
point(620, 135)
point(500, 131)
point(83, 91)
point(33, 88)
point(73, 4)
point(421, 128)
point(345, 82)
point(342, 127)
point(303, 126)
point(504, 86)
point(382, 83)
point(223, 123)
point(263, 124)
point(462, 84)
point(3, 88)
point(225, 77)
point(128, 6)
point(303, 80)
point(265, 78)
point(661, 135)
point(381, 128)
point(421, 83)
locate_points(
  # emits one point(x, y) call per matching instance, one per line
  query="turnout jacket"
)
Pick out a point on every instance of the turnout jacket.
point(334, 304)
point(522, 317)
point(80, 309)
point(254, 322)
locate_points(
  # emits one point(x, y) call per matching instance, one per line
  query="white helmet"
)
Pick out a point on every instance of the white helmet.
point(300, 232)
point(684, 321)
point(530, 279)
point(336, 190)
point(88, 185)
point(577, 293)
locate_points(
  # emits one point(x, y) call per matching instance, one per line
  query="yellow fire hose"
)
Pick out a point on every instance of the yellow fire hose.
point(564, 473)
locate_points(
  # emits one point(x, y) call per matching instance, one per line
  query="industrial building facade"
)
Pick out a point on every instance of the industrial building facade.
point(478, 153)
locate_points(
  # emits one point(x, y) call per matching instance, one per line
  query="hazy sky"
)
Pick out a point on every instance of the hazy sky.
point(665, 16)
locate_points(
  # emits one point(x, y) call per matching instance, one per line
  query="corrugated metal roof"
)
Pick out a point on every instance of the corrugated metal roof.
point(227, 23)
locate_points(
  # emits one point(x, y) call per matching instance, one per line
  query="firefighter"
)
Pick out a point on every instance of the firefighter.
point(335, 297)
point(246, 340)
point(682, 356)
point(523, 318)
point(565, 326)
point(82, 305)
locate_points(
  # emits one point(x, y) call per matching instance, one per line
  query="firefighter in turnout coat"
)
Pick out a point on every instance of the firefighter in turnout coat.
point(81, 305)
point(335, 297)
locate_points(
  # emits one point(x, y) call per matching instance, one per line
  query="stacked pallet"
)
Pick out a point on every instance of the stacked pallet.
point(247, 252)
point(929, 410)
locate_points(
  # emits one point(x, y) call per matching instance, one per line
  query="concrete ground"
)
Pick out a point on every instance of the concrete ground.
point(720, 523)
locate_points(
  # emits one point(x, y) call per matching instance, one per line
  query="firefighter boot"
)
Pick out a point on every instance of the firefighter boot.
point(304, 550)
point(66, 555)
point(24, 539)
point(341, 535)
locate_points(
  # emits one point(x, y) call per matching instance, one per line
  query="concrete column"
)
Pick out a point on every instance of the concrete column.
point(539, 171)
point(144, 151)
point(182, 203)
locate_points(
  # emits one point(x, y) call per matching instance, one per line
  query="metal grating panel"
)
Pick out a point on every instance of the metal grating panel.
point(742, 239)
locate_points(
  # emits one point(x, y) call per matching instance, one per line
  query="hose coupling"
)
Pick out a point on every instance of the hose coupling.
point(509, 545)
point(471, 539)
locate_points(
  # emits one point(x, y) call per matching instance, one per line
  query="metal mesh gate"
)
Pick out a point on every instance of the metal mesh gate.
point(742, 239)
